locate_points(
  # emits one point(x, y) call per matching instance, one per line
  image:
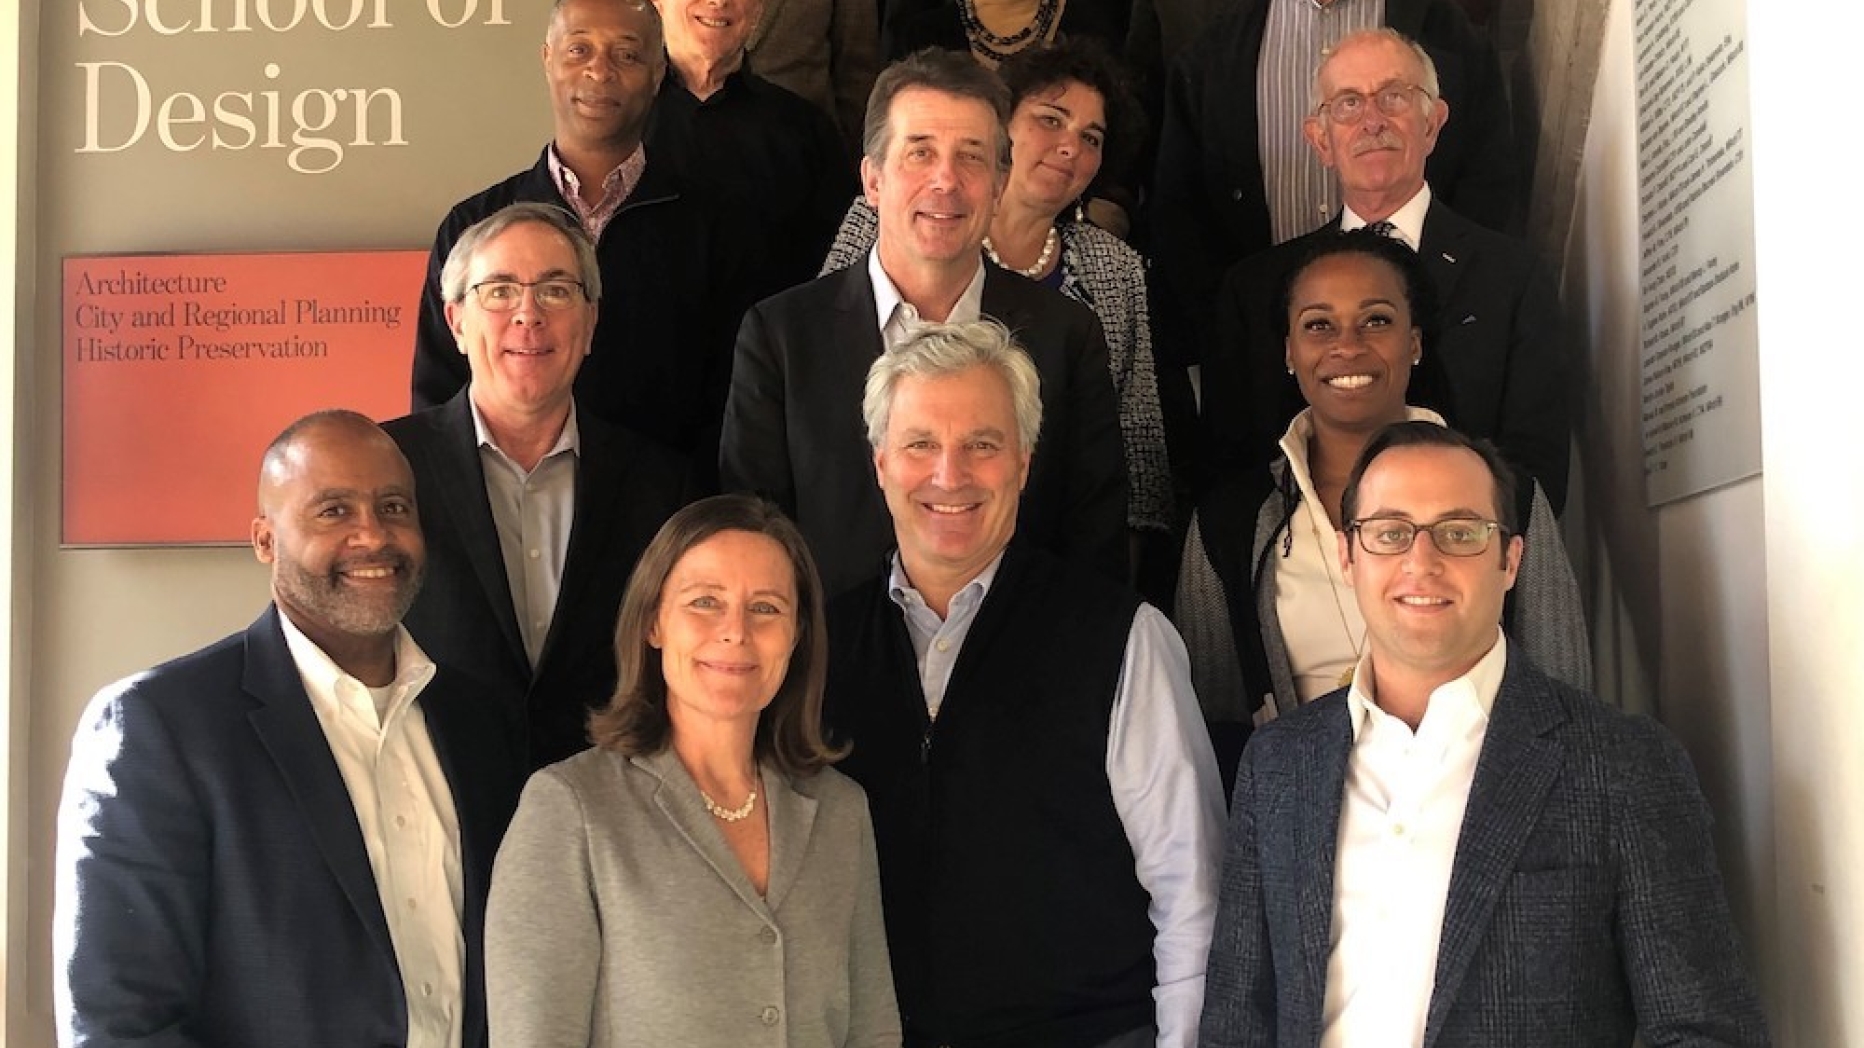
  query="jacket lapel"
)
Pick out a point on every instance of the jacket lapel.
point(792, 820)
point(1514, 774)
point(455, 458)
point(1321, 781)
point(294, 739)
point(1443, 252)
point(678, 799)
point(601, 480)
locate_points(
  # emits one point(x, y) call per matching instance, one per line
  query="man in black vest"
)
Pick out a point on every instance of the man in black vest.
point(1044, 797)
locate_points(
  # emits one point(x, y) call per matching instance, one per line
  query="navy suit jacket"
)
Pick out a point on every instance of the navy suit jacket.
point(1584, 901)
point(626, 487)
point(793, 429)
point(1494, 365)
point(214, 887)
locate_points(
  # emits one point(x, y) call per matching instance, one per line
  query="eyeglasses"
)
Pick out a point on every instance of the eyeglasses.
point(1349, 107)
point(1456, 537)
point(503, 296)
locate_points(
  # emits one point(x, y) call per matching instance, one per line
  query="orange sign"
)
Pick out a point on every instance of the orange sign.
point(180, 369)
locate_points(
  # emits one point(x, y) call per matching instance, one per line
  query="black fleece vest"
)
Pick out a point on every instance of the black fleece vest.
point(1013, 912)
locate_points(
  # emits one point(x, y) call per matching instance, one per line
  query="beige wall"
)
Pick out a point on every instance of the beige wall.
point(474, 110)
point(1736, 614)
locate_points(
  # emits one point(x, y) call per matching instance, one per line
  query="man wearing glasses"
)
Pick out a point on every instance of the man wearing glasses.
point(675, 266)
point(535, 510)
point(1494, 363)
point(1457, 850)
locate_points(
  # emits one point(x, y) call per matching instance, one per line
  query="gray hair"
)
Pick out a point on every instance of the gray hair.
point(459, 260)
point(939, 350)
point(947, 72)
point(1428, 81)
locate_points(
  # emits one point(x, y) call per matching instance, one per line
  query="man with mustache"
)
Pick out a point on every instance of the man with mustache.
point(938, 152)
point(1457, 850)
point(1494, 362)
point(536, 509)
point(1045, 802)
point(286, 838)
point(677, 280)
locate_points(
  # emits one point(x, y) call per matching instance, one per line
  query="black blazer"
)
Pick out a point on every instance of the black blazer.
point(1208, 206)
point(1495, 362)
point(214, 888)
point(793, 428)
point(676, 277)
point(626, 487)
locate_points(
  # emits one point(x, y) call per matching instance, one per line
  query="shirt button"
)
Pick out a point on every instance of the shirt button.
point(768, 936)
point(943, 644)
point(1398, 829)
point(413, 904)
point(401, 820)
point(427, 989)
point(770, 1015)
point(534, 554)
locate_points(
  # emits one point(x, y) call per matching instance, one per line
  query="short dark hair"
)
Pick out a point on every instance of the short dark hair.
point(934, 69)
point(1419, 434)
point(1085, 61)
point(1420, 293)
point(656, 46)
point(789, 731)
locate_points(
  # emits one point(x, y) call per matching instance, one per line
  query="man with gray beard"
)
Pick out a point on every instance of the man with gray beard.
point(285, 839)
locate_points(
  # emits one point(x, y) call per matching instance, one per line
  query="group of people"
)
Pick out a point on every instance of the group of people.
point(543, 743)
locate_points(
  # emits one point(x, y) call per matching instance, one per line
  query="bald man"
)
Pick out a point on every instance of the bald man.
point(285, 838)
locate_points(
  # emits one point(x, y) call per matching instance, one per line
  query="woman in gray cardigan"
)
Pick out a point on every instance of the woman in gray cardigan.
point(701, 877)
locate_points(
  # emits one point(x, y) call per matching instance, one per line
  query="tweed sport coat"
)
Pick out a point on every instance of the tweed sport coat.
point(1584, 902)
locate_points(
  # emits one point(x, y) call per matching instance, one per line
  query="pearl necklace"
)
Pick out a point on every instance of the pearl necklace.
point(737, 814)
point(1049, 244)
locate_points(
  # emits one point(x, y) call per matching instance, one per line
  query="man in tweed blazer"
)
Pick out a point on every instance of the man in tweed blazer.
point(1457, 851)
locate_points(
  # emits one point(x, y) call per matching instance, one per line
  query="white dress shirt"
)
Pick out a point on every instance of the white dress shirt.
point(409, 826)
point(1400, 816)
point(1161, 770)
point(898, 318)
point(1407, 222)
point(532, 512)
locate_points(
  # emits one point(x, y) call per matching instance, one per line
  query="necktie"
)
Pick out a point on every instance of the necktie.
point(1382, 228)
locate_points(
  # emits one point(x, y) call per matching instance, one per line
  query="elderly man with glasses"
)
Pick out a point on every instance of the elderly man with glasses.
point(1457, 850)
point(535, 510)
point(1495, 362)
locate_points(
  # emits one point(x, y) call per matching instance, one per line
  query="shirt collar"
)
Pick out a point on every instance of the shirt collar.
point(887, 297)
point(1480, 684)
point(1294, 441)
point(1407, 222)
point(570, 439)
point(321, 676)
point(901, 588)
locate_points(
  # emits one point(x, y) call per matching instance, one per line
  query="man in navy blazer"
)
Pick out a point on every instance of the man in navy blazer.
point(938, 153)
point(1457, 851)
point(1494, 358)
point(535, 510)
point(286, 838)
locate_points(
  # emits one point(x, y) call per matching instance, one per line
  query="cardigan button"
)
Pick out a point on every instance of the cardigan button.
point(768, 936)
point(770, 1015)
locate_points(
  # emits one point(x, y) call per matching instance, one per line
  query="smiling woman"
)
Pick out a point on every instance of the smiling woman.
point(1263, 602)
point(656, 862)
